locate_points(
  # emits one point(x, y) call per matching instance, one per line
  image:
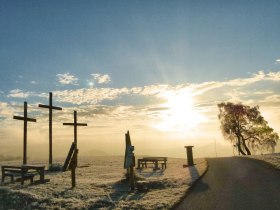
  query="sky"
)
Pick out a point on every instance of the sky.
point(156, 68)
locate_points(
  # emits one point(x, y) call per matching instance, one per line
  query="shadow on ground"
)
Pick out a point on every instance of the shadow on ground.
point(196, 177)
point(121, 191)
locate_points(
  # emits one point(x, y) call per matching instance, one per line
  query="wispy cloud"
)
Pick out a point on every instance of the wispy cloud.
point(67, 79)
point(149, 102)
point(33, 82)
point(89, 96)
point(238, 82)
point(277, 61)
point(235, 89)
point(17, 93)
point(101, 79)
point(6, 110)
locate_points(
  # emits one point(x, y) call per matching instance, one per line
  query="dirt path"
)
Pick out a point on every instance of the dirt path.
point(235, 183)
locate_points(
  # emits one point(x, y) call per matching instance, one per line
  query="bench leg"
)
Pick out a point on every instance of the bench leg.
point(3, 178)
point(138, 164)
point(31, 180)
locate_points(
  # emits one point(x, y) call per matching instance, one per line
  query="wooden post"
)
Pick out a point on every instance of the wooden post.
point(127, 145)
point(25, 120)
point(73, 169)
point(50, 107)
point(131, 177)
point(189, 156)
point(129, 161)
point(73, 177)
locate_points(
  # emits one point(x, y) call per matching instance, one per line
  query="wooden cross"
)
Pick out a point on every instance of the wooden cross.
point(50, 107)
point(75, 124)
point(25, 120)
point(75, 156)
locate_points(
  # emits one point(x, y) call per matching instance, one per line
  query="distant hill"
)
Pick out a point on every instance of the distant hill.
point(93, 152)
point(5, 158)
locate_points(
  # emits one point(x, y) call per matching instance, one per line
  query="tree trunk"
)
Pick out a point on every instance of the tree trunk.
point(245, 146)
point(239, 147)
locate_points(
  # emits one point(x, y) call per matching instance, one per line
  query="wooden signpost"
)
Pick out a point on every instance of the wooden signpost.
point(127, 145)
point(129, 160)
point(50, 107)
point(69, 157)
point(71, 163)
point(73, 153)
point(25, 120)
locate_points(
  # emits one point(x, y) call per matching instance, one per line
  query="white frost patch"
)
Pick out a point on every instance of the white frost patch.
point(102, 186)
point(273, 159)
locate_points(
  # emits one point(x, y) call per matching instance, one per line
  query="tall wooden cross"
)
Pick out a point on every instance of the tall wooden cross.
point(25, 120)
point(75, 124)
point(50, 107)
point(75, 158)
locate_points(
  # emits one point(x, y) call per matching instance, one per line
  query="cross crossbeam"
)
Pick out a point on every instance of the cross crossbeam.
point(75, 124)
point(50, 107)
point(25, 120)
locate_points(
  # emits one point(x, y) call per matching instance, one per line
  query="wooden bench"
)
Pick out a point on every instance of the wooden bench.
point(22, 173)
point(18, 172)
point(154, 160)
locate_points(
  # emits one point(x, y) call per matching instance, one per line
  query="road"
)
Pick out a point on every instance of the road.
point(235, 183)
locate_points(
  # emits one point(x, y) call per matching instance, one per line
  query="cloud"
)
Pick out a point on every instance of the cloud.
point(6, 110)
point(260, 76)
point(17, 93)
point(101, 79)
point(275, 76)
point(214, 91)
point(33, 82)
point(277, 61)
point(154, 90)
point(89, 96)
point(67, 79)
point(109, 112)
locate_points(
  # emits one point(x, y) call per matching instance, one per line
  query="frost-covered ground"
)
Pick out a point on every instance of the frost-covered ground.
point(102, 185)
point(273, 159)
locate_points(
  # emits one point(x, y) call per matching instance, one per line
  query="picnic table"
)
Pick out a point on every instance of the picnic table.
point(24, 172)
point(154, 160)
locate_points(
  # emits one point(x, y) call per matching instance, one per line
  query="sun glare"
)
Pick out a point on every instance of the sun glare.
point(180, 114)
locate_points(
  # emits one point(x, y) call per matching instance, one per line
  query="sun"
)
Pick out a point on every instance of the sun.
point(180, 113)
point(91, 84)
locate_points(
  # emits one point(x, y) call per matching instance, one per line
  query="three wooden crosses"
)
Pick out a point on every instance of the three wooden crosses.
point(26, 119)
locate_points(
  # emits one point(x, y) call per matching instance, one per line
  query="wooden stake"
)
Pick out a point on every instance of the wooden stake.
point(131, 177)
